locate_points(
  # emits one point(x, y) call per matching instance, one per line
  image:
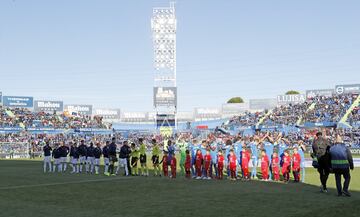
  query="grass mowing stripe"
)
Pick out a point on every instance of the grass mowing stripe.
point(63, 183)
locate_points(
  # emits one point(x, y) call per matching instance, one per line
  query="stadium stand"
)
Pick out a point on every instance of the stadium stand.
point(24, 118)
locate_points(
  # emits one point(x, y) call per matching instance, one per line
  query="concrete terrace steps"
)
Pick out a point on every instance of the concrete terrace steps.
point(263, 118)
point(311, 107)
point(351, 108)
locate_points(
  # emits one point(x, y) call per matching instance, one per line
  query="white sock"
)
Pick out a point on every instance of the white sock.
point(106, 168)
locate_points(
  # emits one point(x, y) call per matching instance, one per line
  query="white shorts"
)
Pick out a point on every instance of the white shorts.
point(97, 161)
point(122, 162)
point(47, 159)
point(90, 160)
point(74, 160)
point(82, 159)
point(106, 161)
point(63, 159)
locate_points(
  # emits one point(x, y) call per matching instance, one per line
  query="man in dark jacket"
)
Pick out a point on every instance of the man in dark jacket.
point(321, 148)
point(124, 156)
point(112, 156)
point(97, 155)
point(341, 163)
point(105, 152)
point(82, 150)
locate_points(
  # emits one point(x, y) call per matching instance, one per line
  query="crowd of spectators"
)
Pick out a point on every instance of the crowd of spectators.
point(25, 118)
point(329, 109)
point(25, 144)
point(354, 116)
point(326, 109)
point(246, 119)
point(286, 114)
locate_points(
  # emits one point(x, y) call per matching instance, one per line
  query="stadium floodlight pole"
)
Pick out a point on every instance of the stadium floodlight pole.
point(163, 25)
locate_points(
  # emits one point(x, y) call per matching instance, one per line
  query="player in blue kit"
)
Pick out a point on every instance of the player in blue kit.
point(193, 147)
point(301, 150)
point(228, 148)
point(269, 149)
point(238, 150)
point(214, 154)
point(282, 146)
point(203, 149)
point(254, 156)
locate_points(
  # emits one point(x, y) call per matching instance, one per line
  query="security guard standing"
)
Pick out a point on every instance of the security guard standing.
point(341, 163)
point(321, 151)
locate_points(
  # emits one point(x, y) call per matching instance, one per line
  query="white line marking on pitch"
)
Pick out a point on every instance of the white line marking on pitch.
point(63, 183)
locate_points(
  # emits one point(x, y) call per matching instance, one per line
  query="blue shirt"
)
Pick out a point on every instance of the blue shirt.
point(302, 155)
point(254, 150)
point(269, 148)
point(213, 153)
point(238, 150)
point(227, 153)
point(203, 150)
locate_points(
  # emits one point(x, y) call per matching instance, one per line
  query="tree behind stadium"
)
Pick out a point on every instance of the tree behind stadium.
point(235, 100)
point(292, 92)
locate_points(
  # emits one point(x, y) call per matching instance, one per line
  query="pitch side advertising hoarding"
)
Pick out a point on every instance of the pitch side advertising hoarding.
point(18, 101)
point(260, 104)
point(291, 99)
point(80, 109)
point(107, 113)
point(319, 92)
point(48, 106)
point(347, 88)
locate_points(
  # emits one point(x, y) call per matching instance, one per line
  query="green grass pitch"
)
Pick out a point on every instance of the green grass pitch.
point(26, 191)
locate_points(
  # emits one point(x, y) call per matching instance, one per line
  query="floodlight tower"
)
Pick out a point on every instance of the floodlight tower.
point(163, 25)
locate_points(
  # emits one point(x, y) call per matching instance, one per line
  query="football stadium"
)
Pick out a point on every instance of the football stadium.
point(184, 108)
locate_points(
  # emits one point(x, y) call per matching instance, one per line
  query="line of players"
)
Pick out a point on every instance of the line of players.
point(205, 159)
point(197, 161)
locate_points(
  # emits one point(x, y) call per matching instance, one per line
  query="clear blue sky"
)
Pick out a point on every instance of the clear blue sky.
point(100, 51)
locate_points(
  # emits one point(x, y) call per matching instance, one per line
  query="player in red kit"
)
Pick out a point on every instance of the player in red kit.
point(245, 158)
point(296, 162)
point(187, 164)
point(232, 165)
point(198, 163)
point(164, 163)
point(275, 166)
point(173, 167)
point(220, 164)
point(286, 166)
point(264, 165)
point(207, 165)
